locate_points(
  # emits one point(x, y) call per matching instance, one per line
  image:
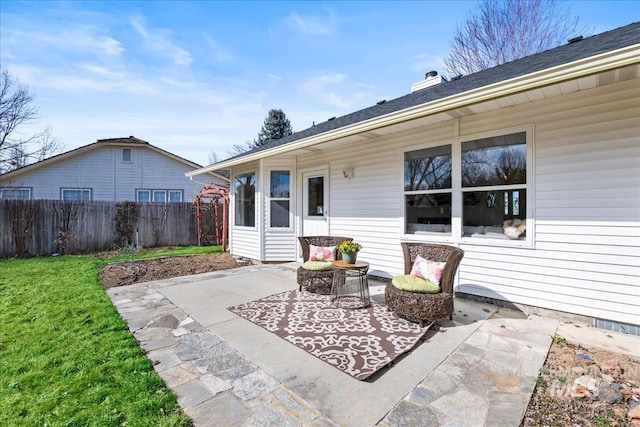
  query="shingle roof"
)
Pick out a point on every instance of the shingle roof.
point(585, 48)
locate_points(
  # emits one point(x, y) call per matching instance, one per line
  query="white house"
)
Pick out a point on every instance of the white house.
point(531, 167)
point(115, 169)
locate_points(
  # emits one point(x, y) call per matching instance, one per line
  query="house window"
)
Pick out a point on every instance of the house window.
point(160, 196)
point(245, 200)
point(76, 194)
point(427, 190)
point(127, 156)
point(279, 203)
point(175, 195)
point(494, 186)
point(15, 193)
point(143, 195)
point(485, 182)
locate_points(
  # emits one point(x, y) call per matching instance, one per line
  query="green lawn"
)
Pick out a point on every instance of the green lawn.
point(66, 356)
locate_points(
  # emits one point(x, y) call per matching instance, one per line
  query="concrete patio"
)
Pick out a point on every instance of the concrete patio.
point(478, 370)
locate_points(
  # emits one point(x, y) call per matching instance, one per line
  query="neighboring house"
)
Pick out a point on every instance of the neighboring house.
point(531, 167)
point(115, 169)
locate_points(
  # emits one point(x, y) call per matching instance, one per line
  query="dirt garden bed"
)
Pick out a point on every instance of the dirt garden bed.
point(126, 273)
point(577, 387)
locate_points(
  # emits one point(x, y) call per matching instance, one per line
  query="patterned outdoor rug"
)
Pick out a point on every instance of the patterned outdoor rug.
point(359, 342)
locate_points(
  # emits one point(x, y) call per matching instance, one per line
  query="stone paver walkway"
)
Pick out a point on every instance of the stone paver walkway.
point(486, 380)
point(215, 385)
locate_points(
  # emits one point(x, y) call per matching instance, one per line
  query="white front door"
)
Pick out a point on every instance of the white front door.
point(315, 203)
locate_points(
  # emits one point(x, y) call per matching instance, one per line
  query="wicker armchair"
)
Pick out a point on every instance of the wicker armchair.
point(314, 280)
point(423, 307)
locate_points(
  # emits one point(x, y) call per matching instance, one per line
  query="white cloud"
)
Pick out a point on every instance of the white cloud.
point(325, 87)
point(274, 79)
point(315, 25)
point(219, 52)
point(159, 42)
point(78, 39)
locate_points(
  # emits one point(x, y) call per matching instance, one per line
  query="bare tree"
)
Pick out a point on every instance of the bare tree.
point(504, 30)
point(241, 148)
point(16, 108)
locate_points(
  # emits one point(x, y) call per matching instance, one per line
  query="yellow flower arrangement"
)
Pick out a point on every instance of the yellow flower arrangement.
point(349, 247)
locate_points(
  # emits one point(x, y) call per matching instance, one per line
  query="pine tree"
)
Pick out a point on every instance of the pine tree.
point(275, 126)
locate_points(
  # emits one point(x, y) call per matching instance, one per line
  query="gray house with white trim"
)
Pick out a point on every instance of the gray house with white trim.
point(531, 167)
point(114, 169)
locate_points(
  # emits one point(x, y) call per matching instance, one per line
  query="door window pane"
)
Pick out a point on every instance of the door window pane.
point(245, 199)
point(316, 196)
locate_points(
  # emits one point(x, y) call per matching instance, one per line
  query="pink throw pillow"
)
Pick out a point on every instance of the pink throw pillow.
point(321, 253)
point(428, 270)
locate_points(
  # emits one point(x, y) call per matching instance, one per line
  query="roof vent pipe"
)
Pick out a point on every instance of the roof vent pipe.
point(430, 79)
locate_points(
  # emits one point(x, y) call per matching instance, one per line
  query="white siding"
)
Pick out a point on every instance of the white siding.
point(585, 257)
point(587, 208)
point(369, 206)
point(246, 241)
point(279, 244)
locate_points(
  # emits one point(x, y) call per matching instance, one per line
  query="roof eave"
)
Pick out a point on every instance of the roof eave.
point(549, 76)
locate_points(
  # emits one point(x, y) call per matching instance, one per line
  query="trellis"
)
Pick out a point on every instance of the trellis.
point(212, 209)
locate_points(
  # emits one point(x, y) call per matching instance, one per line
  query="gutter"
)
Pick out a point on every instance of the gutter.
point(572, 70)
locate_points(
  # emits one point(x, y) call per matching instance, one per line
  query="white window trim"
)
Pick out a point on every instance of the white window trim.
point(142, 190)
point(13, 189)
point(153, 196)
point(122, 155)
point(270, 199)
point(456, 237)
point(82, 190)
point(232, 201)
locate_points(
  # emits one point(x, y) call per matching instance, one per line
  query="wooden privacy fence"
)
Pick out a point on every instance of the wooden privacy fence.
point(45, 227)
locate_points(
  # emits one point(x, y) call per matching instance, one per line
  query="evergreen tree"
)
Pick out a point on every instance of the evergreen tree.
point(275, 126)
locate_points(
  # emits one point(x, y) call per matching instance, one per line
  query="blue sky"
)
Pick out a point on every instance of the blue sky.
point(196, 77)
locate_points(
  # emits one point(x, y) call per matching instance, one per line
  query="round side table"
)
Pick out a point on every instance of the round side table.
point(350, 287)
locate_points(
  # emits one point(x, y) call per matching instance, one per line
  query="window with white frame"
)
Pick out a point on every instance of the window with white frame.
point(15, 193)
point(75, 194)
point(143, 195)
point(127, 155)
point(159, 196)
point(279, 199)
point(494, 187)
point(244, 191)
point(175, 195)
point(428, 190)
point(486, 183)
